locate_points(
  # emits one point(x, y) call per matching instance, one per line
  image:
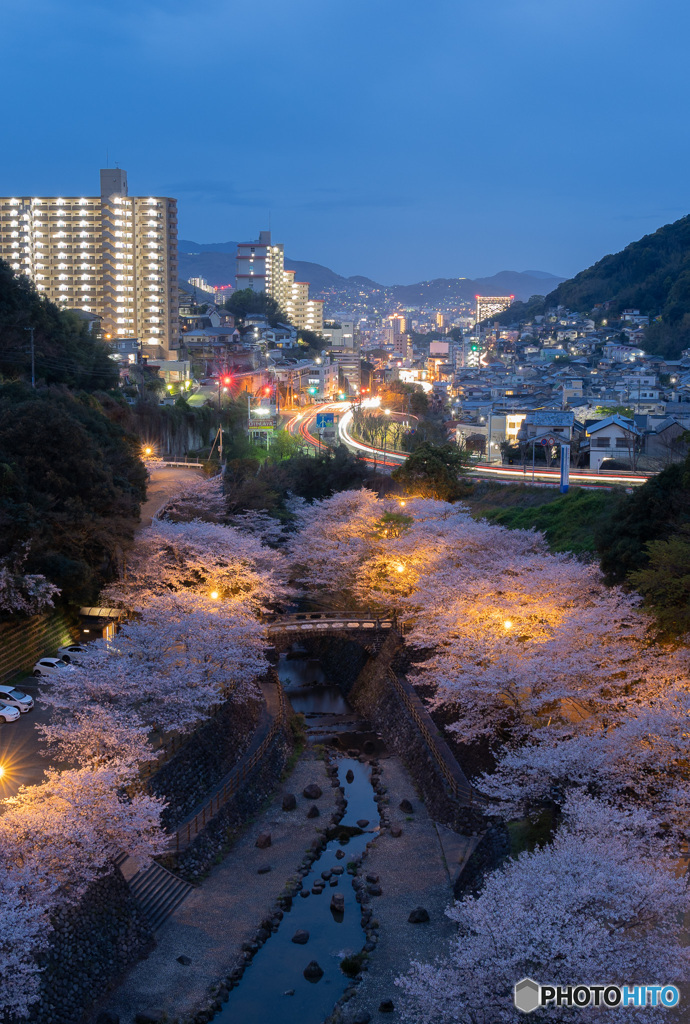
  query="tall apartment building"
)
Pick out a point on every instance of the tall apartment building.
point(261, 267)
point(112, 255)
point(491, 305)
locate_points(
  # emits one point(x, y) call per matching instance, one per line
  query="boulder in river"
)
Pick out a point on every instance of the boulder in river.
point(338, 902)
point(349, 775)
point(263, 841)
point(312, 791)
point(313, 971)
point(418, 916)
point(386, 1006)
point(340, 854)
point(362, 822)
point(301, 937)
point(184, 960)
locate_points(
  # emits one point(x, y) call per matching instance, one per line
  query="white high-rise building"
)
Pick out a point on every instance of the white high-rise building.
point(113, 255)
point(491, 305)
point(261, 267)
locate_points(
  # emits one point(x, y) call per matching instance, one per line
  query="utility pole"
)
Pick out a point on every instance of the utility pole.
point(33, 364)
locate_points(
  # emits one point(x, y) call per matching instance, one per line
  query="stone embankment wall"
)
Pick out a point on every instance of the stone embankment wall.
point(364, 681)
point(91, 945)
point(205, 759)
point(211, 845)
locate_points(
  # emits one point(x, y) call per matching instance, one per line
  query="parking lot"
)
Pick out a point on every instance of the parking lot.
point(20, 749)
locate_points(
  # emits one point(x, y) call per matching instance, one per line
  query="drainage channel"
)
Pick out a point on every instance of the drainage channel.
point(274, 985)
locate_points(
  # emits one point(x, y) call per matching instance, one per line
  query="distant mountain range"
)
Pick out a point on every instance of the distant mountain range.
point(215, 262)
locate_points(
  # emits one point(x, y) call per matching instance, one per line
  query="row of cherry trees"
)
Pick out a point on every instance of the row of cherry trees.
point(193, 591)
point(563, 679)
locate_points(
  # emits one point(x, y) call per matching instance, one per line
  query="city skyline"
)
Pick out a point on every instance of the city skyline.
point(456, 140)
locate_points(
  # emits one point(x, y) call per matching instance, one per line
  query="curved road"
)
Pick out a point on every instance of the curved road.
point(303, 423)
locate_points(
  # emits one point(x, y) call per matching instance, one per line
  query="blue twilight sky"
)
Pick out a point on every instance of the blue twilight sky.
point(401, 139)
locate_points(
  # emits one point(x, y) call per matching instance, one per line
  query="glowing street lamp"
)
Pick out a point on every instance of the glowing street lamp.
point(400, 568)
point(507, 624)
point(214, 595)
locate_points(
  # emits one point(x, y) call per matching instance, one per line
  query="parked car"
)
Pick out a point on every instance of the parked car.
point(7, 713)
point(50, 667)
point(16, 698)
point(71, 652)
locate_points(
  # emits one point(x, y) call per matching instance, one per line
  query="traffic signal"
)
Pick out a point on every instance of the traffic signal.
point(227, 380)
point(267, 391)
point(312, 391)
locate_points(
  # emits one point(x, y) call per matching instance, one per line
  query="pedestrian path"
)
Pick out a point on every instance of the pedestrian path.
point(412, 873)
point(214, 920)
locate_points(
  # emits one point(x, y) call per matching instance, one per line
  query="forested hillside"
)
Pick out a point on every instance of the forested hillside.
point(65, 351)
point(71, 479)
point(652, 275)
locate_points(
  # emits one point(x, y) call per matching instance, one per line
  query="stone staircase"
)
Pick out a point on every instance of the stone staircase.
point(157, 890)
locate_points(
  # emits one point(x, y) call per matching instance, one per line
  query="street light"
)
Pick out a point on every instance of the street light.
point(508, 624)
point(214, 595)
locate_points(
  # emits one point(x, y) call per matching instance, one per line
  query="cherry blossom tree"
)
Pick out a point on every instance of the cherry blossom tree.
point(167, 669)
point(25, 929)
point(56, 839)
point(70, 827)
point(631, 752)
point(334, 538)
point(598, 905)
point(22, 593)
point(200, 558)
point(198, 500)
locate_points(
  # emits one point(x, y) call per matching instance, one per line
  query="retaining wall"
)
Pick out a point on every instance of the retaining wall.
point(24, 641)
point(91, 945)
point(213, 843)
point(206, 758)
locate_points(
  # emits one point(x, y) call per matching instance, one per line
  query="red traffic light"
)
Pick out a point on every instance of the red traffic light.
point(227, 380)
point(267, 391)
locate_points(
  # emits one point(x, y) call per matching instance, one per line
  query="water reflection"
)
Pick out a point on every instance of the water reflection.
point(277, 969)
point(304, 682)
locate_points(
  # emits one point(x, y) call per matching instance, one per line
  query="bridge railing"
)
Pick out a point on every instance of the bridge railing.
point(333, 620)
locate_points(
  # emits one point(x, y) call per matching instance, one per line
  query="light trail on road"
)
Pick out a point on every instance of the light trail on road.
point(303, 420)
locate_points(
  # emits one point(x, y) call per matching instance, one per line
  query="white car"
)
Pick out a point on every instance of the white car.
point(8, 714)
point(16, 699)
point(71, 652)
point(50, 667)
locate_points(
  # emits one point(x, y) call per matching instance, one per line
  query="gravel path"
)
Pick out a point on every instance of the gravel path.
point(163, 484)
point(412, 873)
point(225, 911)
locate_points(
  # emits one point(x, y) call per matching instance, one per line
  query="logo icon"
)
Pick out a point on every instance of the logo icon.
point(526, 995)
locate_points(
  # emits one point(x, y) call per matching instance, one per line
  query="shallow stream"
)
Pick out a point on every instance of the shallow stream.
point(273, 987)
